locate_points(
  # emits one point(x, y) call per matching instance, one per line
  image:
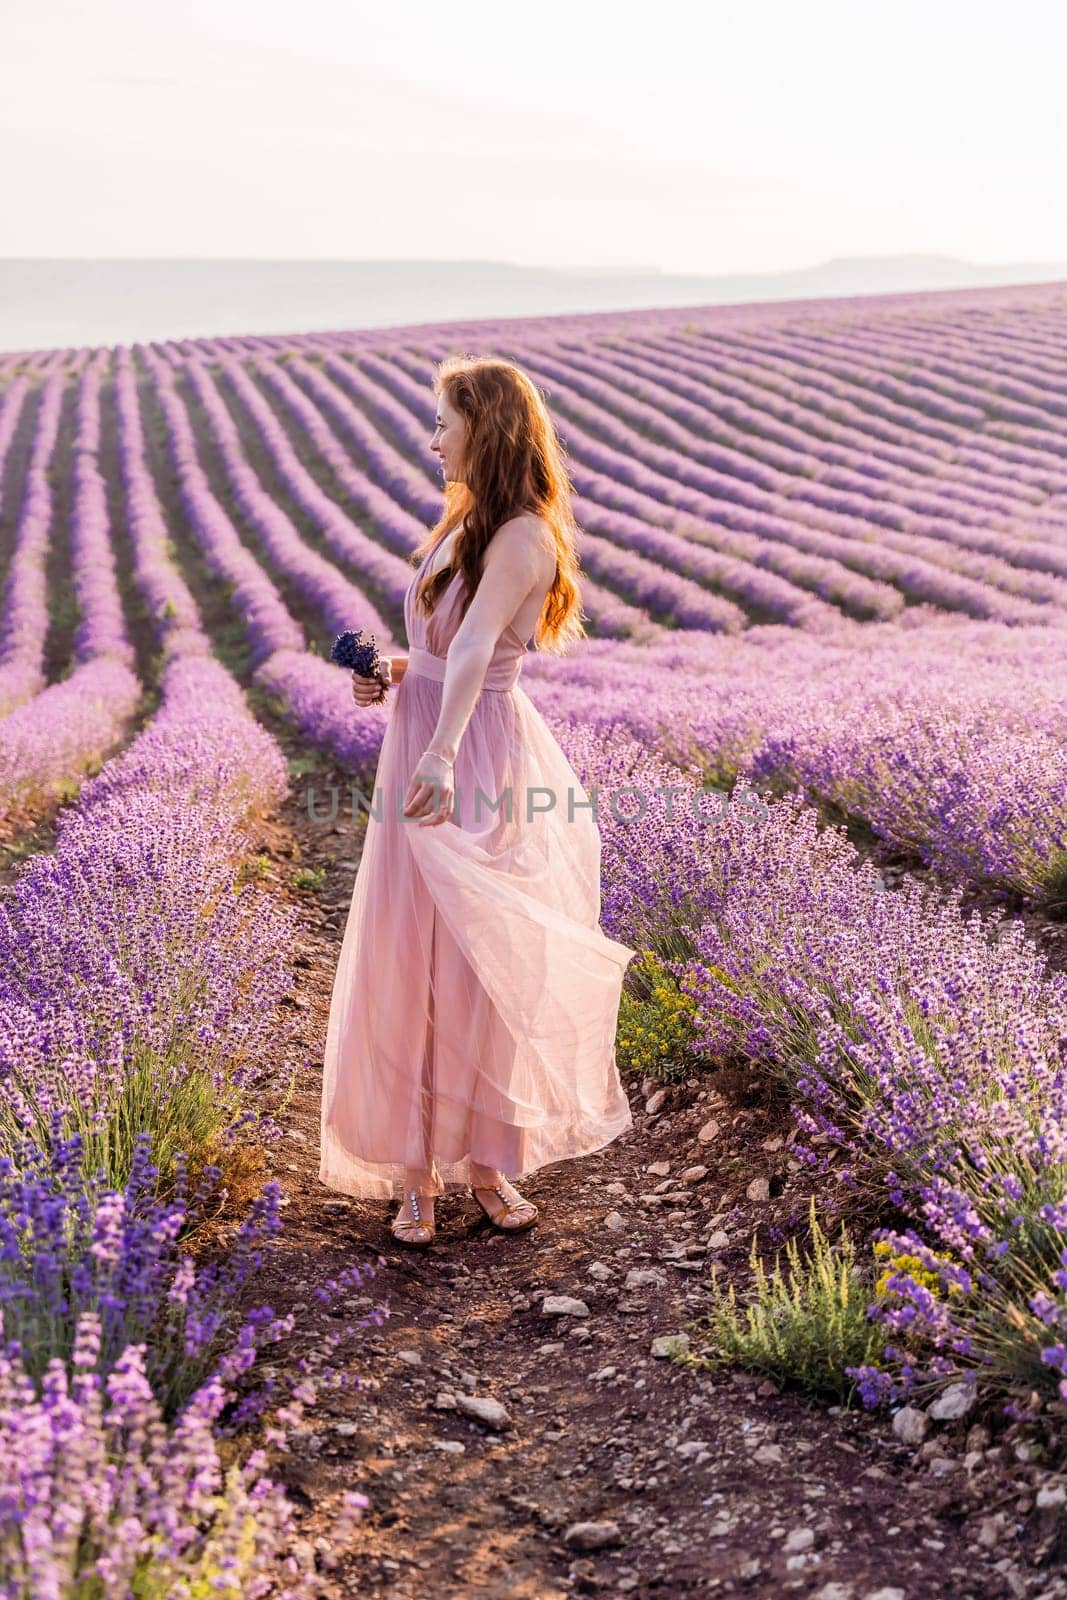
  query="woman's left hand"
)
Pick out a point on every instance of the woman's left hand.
point(432, 790)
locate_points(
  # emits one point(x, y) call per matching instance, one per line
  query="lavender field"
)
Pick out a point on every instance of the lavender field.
point(823, 701)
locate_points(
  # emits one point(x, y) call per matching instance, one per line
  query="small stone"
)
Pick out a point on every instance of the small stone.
point(445, 1401)
point(644, 1278)
point(592, 1535)
point(768, 1455)
point(941, 1466)
point(834, 1591)
point(953, 1402)
point(483, 1409)
point(911, 1425)
point(600, 1271)
point(889, 1592)
point(615, 1221)
point(801, 1563)
point(991, 1530)
point(303, 1553)
point(410, 1358)
point(718, 1240)
point(454, 1447)
point(759, 1189)
point(658, 1169)
point(605, 1373)
point(694, 1174)
point(1053, 1495)
point(668, 1344)
point(563, 1305)
point(655, 1101)
point(798, 1539)
point(694, 1447)
point(709, 1131)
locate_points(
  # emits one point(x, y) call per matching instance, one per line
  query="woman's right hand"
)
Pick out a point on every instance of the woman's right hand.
point(367, 691)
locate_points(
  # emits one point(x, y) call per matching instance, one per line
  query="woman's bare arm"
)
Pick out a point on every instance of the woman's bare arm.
point(400, 666)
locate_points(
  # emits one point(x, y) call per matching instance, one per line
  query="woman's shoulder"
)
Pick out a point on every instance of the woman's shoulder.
point(530, 534)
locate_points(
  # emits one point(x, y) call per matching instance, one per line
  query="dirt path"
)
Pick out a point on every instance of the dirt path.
point(712, 1483)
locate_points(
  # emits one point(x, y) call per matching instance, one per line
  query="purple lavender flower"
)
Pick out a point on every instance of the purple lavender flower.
point(358, 652)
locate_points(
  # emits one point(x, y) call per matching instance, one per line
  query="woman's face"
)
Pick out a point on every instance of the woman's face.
point(448, 439)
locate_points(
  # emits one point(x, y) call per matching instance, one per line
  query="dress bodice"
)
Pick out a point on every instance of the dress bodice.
point(430, 637)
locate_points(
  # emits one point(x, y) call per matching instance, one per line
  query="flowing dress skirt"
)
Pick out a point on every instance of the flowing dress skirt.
point(475, 1001)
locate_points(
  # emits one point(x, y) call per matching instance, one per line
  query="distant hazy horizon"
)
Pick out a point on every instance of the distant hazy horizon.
point(59, 301)
point(708, 141)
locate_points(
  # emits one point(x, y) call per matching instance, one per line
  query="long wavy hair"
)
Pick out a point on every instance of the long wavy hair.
point(513, 463)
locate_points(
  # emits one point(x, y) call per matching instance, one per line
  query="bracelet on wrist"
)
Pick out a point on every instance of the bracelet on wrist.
point(446, 759)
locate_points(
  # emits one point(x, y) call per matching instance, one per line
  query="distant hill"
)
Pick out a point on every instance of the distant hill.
point(55, 302)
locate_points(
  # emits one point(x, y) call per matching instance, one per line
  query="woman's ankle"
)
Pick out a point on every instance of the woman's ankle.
point(424, 1179)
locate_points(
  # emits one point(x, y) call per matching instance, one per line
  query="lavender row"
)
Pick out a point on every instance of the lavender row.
point(1025, 302)
point(962, 514)
point(171, 607)
point(947, 740)
point(877, 405)
point(951, 370)
point(920, 566)
point(778, 408)
point(24, 620)
point(326, 590)
point(922, 572)
point(139, 985)
point(10, 412)
point(137, 988)
point(49, 741)
point(926, 1046)
point(383, 571)
point(895, 407)
point(1027, 540)
point(101, 631)
point(310, 693)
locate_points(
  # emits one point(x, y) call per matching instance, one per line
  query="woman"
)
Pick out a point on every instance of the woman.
point(471, 1037)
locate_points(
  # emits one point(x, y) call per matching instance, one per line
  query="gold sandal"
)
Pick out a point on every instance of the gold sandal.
point(510, 1208)
point(402, 1226)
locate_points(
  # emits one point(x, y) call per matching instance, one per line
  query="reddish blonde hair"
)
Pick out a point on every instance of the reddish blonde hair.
point(513, 463)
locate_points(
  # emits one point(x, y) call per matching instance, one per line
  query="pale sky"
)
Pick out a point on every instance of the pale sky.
point(755, 135)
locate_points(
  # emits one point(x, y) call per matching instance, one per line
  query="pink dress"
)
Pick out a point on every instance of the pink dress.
point(476, 996)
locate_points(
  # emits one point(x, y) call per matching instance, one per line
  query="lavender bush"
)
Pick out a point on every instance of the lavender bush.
point(71, 1246)
point(103, 1500)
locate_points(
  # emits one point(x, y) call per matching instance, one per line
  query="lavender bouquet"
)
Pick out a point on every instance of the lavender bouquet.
point(359, 653)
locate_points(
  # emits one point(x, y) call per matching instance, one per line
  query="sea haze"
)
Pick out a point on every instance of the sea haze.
point(67, 302)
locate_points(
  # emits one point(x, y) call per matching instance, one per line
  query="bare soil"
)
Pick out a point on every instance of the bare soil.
point(714, 1482)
